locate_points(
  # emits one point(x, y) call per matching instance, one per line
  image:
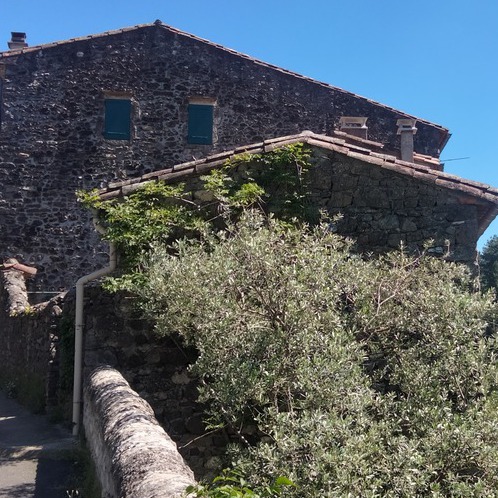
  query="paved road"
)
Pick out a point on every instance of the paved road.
point(36, 457)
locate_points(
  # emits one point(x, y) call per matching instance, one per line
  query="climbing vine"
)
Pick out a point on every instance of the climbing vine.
point(277, 182)
point(155, 213)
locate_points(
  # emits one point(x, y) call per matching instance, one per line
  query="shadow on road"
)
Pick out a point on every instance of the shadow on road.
point(53, 478)
point(37, 459)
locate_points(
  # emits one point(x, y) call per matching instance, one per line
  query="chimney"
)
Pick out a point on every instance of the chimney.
point(18, 41)
point(406, 128)
point(356, 126)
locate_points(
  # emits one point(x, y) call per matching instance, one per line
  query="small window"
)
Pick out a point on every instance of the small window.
point(117, 119)
point(200, 124)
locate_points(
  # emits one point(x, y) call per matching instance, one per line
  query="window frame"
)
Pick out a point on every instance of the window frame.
point(200, 122)
point(117, 108)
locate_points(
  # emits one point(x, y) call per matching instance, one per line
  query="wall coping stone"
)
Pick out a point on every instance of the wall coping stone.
point(134, 456)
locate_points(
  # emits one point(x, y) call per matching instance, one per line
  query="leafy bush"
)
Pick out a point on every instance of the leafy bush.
point(154, 213)
point(276, 182)
point(231, 484)
point(353, 377)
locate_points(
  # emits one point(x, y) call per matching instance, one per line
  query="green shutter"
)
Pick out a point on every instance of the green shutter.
point(200, 124)
point(117, 119)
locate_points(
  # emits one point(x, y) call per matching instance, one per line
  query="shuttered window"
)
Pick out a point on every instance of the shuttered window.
point(117, 119)
point(200, 124)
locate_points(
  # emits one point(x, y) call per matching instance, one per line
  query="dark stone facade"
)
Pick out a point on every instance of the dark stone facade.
point(382, 209)
point(52, 119)
point(156, 367)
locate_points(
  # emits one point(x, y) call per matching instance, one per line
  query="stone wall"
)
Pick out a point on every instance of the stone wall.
point(37, 356)
point(29, 360)
point(382, 209)
point(52, 118)
point(133, 456)
point(157, 368)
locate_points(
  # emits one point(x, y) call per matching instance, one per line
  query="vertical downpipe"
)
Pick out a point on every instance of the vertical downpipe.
point(79, 329)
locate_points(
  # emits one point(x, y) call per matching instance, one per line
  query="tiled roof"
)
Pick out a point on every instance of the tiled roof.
point(15, 52)
point(426, 169)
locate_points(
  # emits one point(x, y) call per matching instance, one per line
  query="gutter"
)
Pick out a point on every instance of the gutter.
point(79, 327)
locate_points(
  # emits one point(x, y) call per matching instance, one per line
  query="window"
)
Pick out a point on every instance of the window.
point(200, 123)
point(117, 121)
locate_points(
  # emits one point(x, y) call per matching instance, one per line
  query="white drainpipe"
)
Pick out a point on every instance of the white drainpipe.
point(79, 325)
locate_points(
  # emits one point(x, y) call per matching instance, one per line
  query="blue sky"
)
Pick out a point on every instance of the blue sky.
point(435, 59)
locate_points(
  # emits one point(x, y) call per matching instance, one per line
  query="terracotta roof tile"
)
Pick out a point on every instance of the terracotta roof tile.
point(246, 148)
point(425, 172)
point(354, 138)
point(176, 174)
point(128, 189)
point(342, 149)
point(109, 194)
point(155, 174)
point(222, 155)
point(183, 166)
point(203, 168)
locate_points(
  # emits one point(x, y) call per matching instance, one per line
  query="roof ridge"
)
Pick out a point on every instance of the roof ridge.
point(160, 24)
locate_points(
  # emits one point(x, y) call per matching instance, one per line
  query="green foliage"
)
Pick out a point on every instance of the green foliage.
point(359, 377)
point(26, 387)
point(488, 262)
point(230, 193)
point(156, 213)
point(277, 182)
point(83, 481)
point(61, 411)
point(363, 377)
point(232, 484)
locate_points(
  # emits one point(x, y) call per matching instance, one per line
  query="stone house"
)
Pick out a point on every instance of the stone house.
point(100, 109)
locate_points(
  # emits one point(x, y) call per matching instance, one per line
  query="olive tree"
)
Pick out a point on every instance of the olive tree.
point(352, 376)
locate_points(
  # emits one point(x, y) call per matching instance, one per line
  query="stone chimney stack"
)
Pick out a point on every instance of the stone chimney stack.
point(356, 126)
point(406, 128)
point(18, 40)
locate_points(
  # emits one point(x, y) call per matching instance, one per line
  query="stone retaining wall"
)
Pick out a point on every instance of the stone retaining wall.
point(29, 361)
point(133, 455)
point(157, 368)
point(380, 209)
point(37, 355)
